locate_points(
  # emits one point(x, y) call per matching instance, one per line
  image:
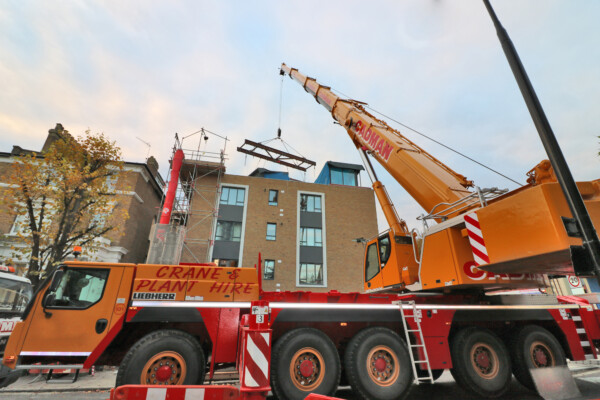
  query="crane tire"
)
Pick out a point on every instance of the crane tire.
point(534, 347)
point(164, 357)
point(378, 365)
point(480, 362)
point(304, 361)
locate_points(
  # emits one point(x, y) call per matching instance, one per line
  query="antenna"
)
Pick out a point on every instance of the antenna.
point(147, 144)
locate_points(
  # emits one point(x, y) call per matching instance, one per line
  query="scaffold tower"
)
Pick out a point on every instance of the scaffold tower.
point(189, 235)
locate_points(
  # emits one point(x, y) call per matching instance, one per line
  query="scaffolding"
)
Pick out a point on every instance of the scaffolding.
point(189, 236)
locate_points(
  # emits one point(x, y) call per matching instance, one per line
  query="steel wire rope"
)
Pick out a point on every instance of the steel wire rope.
point(432, 139)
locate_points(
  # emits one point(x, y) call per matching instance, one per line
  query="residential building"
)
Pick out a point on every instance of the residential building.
point(139, 189)
point(309, 235)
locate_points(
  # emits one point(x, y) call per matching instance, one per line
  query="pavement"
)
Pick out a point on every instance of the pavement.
point(105, 380)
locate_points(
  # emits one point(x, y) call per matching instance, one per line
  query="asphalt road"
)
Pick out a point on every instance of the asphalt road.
point(445, 388)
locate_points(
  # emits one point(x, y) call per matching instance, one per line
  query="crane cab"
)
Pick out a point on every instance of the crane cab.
point(389, 263)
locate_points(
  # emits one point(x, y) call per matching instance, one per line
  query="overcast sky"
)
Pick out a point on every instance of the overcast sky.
point(148, 69)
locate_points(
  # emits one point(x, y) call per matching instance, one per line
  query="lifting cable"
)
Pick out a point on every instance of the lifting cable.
point(435, 141)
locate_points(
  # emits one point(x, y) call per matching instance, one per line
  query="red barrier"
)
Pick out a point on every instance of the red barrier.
point(255, 352)
point(157, 392)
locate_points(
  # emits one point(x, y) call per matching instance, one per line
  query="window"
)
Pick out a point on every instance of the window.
point(273, 197)
point(227, 230)
point(223, 262)
point(310, 203)
point(372, 262)
point(271, 231)
point(79, 288)
point(269, 270)
point(14, 296)
point(340, 176)
point(311, 237)
point(232, 196)
point(311, 274)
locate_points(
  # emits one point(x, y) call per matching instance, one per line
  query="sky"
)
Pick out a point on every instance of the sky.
point(142, 71)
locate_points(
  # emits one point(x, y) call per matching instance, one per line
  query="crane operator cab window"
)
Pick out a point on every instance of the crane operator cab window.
point(378, 254)
point(77, 288)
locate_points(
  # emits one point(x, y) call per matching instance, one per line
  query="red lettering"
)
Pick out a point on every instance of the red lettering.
point(379, 146)
point(471, 270)
point(373, 140)
point(159, 273)
point(387, 150)
point(165, 286)
point(226, 287)
point(191, 284)
point(202, 271)
point(358, 127)
point(248, 289)
point(175, 272)
point(152, 287)
point(216, 272)
point(234, 275)
point(178, 286)
point(236, 288)
point(367, 134)
point(143, 283)
point(188, 274)
point(216, 285)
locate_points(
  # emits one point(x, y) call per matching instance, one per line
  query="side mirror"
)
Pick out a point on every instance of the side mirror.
point(56, 278)
point(48, 300)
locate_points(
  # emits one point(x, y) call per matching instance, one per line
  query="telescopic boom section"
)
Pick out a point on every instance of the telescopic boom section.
point(430, 182)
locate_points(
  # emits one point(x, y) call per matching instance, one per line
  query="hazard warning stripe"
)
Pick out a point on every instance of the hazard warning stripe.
point(256, 363)
point(480, 254)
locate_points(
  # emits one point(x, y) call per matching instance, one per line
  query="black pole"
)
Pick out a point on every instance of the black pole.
point(563, 174)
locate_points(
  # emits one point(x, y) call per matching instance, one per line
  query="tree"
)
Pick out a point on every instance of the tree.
point(63, 197)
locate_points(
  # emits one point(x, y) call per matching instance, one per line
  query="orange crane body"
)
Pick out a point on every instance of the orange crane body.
point(506, 240)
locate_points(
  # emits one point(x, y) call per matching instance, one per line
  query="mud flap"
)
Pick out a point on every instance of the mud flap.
point(555, 383)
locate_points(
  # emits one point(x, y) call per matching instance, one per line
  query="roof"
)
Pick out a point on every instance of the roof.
point(265, 173)
point(324, 177)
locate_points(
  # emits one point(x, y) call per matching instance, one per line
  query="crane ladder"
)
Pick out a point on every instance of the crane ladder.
point(415, 341)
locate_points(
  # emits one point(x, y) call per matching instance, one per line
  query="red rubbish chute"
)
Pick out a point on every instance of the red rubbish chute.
point(165, 215)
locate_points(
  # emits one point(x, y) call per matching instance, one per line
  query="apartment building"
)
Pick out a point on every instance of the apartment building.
point(309, 234)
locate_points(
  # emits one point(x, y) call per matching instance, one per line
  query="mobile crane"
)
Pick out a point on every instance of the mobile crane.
point(522, 234)
point(159, 322)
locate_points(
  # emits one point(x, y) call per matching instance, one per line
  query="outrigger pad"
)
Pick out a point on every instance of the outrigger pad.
point(555, 383)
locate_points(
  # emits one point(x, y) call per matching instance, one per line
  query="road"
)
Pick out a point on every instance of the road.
point(445, 388)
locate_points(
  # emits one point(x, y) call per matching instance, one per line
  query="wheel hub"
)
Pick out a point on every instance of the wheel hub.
point(541, 355)
point(164, 373)
point(484, 360)
point(164, 368)
point(307, 368)
point(381, 364)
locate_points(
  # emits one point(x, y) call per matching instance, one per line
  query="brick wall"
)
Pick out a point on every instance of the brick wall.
point(349, 214)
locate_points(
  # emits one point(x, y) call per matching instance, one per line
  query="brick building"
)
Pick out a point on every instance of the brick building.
point(139, 191)
point(306, 232)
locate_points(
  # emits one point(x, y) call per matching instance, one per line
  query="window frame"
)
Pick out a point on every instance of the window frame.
point(276, 201)
point(272, 278)
point(66, 269)
point(323, 248)
point(274, 236)
point(314, 236)
point(231, 230)
point(237, 190)
point(314, 265)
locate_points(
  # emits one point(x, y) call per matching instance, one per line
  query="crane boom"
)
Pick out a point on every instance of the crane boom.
point(429, 181)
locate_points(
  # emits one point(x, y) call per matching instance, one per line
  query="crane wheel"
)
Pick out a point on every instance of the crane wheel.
point(304, 361)
point(165, 357)
point(534, 347)
point(481, 364)
point(378, 365)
